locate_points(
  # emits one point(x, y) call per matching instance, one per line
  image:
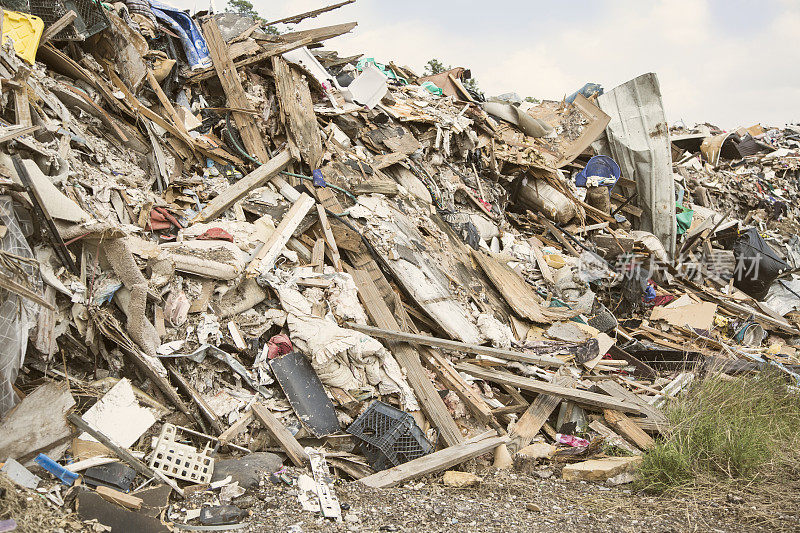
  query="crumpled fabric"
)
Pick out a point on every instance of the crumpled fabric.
point(279, 345)
point(341, 357)
point(141, 7)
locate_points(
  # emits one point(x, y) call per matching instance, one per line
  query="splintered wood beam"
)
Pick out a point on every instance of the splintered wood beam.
point(286, 440)
point(122, 453)
point(318, 34)
point(329, 240)
point(232, 85)
point(238, 190)
point(456, 346)
point(269, 252)
point(628, 429)
point(535, 417)
point(297, 109)
point(578, 396)
point(435, 462)
point(269, 52)
point(408, 358)
point(451, 379)
point(294, 19)
point(57, 26)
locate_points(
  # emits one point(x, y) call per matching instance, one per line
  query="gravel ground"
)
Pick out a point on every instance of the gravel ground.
point(504, 502)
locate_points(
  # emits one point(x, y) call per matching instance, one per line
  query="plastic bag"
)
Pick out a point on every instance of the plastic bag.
point(757, 264)
point(17, 315)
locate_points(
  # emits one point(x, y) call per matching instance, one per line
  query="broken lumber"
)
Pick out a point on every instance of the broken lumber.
point(57, 26)
point(37, 423)
point(237, 427)
point(454, 382)
point(294, 19)
point(269, 252)
point(120, 498)
point(534, 417)
point(12, 132)
point(277, 50)
point(288, 443)
point(238, 190)
point(576, 395)
point(330, 241)
point(435, 462)
point(628, 429)
point(297, 110)
point(232, 85)
point(456, 346)
point(517, 292)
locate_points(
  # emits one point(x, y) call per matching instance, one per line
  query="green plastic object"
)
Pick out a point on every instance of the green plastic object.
point(433, 88)
point(684, 218)
point(383, 68)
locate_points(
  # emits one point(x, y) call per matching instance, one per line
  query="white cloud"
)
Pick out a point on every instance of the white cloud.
point(707, 72)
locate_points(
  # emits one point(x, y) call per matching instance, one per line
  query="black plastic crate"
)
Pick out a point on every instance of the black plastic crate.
point(389, 436)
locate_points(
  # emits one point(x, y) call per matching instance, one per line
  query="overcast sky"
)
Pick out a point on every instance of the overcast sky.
point(728, 62)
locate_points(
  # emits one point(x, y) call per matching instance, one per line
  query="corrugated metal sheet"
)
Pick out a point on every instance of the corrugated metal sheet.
point(639, 140)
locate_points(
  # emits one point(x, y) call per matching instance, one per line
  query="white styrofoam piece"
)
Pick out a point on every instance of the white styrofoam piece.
point(119, 416)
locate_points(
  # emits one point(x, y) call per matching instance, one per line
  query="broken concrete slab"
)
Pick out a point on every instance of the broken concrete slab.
point(600, 469)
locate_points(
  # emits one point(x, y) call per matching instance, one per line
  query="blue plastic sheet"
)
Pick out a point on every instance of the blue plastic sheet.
point(194, 45)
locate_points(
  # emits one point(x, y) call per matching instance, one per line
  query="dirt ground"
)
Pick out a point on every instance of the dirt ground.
point(512, 502)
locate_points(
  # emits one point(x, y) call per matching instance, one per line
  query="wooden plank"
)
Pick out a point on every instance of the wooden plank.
point(612, 438)
point(232, 85)
point(517, 292)
point(641, 367)
point(207, 74)
point(318, 255)
point(532, 420)
point(427, 395)
point(120, 498)
point(557, 233)
point(286, 440)
point(434, 462)
point(11, 133)
point(148, 113)
point(37, 422)
point(578, 396)
point(456, 346)
point(544, 268)
point(329, 239)
point(294, 19)
point(22, 106)
point(620, 392)
point(297, 110)
point(168, 107)
point(238, 190)
point(269, 252)
point(626, 427)
point(237, 427)
point(318, 34)
point(451, 379)
point(57, 26)
point(202, 406)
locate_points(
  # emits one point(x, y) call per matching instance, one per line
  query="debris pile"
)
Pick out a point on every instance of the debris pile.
point(230, 257)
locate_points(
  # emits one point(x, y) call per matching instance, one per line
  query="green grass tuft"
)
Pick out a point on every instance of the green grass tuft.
point(725, 428)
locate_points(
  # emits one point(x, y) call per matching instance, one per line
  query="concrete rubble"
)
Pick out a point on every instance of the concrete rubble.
point(230, 257)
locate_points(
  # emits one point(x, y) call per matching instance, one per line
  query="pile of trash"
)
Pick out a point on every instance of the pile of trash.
point(229, 256)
